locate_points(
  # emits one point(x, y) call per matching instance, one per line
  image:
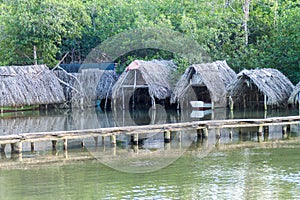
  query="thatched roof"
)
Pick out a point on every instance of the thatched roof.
point(155, 74)
point(294, 96)
point(214, 76)
point(91, 84)
point(29, 85)
point(269, 82)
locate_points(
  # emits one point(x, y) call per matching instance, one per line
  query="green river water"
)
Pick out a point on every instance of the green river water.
point(236, 168)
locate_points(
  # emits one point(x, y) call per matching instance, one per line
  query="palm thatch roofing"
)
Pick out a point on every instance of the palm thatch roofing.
point(29, 85)
point(146, 78)
point(252, 85)
point(88, 86)
point(204, 82)
point(295, 96)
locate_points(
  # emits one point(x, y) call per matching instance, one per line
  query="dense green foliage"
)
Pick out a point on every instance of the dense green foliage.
point(270, 39)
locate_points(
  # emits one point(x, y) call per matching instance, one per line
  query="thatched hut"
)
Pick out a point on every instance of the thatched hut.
point(295, 96)
point(29, 85)
point(144, 83)
point(257, 87)
point(89, 87)
point(205, 82)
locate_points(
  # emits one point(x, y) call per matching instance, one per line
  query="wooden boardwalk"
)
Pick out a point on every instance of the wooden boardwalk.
point(202, 127)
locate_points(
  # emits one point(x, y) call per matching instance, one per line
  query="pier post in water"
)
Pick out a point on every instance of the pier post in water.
point(54, 143)
point(285, 131)
point(32, 146)
point(65, 144)
point(266, 132)
point(135, 139)
point(167, 136)
point(113, 140)
point(16, 147)
point(2, 147)
point(259, 133)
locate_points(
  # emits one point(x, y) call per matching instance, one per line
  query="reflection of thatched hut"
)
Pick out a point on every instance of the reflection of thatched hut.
point(295, 96)
point(143, 83)
point(29, 85)
point(204, 82)
point(88, 87)
point(260, 87)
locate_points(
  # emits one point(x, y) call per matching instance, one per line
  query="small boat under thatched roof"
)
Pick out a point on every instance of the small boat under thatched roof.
point(88, 87)
point(29, 85)
point(143, 83)
point(260, 87)
point(205, 82)
point(295, 96)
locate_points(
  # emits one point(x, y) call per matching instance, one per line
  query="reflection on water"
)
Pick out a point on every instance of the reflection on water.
point(256, 172)
point(189, 167)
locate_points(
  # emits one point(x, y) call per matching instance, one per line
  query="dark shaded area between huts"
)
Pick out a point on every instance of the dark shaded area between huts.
point(294, 98)
point(29, 85)
point(89, 88)
point(144, 84)
point(205, 82)
point(260, 88)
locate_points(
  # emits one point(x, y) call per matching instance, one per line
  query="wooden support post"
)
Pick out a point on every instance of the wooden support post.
point(54, 143)
point(167, 136)
point(96, 140)
point(218, 134)
point(103, 140)
point(16, 147)
point(65, 146)
point(199, 134)
point(266, 133)
point(284, 131)
point(230, 134)
point(82, 143)
point(32, 146)
point(123, 99)
point(153, 102)
point(135, 139)
point(231, 103)
point(2, 147)
point(113, 140)
point(265, 102)
point(205, 132)
point(259, 133)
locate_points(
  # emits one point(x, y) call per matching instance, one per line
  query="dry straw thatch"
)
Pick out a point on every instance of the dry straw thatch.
point(88, 86)
point(294, 97)
point(151, 78)
point(29, 85)
point(204, 82)
point(252, 86)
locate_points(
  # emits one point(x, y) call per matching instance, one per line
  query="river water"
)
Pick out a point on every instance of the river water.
point(243, 166)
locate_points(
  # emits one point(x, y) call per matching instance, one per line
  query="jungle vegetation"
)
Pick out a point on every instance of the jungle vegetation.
point(246, 33)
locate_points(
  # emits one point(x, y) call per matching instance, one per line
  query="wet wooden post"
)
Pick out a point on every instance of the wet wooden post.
point(153, 103)
point(284, 131)
point(16, 147)
point(2, 147)
point(135, 139)
point(113, 140)
point(265, 102)
point(65, 145)
point(230, 134)
point(167, 136)
point(96, 140)
point(199, 133)
point(205, 132)
point(218, 133)
point(259, 133)
point(82, 144)
point(32, 146)
point(266, 132)
point(54, 143)
point(103, 140)
point(231, 103)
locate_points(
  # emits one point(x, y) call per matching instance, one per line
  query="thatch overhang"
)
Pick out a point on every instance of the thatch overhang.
point(204, 82)
point(29, 85)
point(84, 89)
point(261, 86)
point(143, 80)
point(295, 96)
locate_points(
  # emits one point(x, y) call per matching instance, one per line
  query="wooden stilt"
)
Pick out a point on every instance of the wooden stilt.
point(265, 102)
point(153, 102)
point(32, 146)
point(259, 133)
point(113, 140)
point(231, 103)
point(135, 139)
point(82, 144)
point(218, 133)
point(65, 146)
point(54, 143)
point(167, 135)
point(2, 147)
point(16, 147)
